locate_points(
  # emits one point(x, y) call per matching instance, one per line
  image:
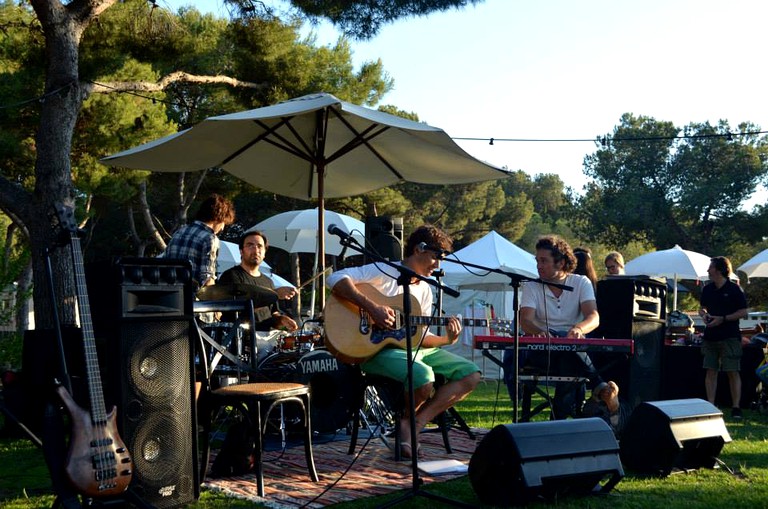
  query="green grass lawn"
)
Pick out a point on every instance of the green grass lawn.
point(742, 481)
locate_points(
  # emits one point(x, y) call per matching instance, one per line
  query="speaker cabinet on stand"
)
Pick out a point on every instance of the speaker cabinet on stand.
point(633, 307)
point(666, 436)
point(145, 320)
point(519, 463)
point(384, 236)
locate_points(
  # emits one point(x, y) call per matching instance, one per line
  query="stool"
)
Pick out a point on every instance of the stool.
point(390, 394)
point(249, 398)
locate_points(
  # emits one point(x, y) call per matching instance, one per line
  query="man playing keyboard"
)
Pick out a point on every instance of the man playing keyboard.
point(547, 310)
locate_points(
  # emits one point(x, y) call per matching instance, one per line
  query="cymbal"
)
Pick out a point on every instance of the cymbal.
point(238, 291)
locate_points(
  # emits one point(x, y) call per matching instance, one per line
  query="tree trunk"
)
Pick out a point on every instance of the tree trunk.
point(62, 26)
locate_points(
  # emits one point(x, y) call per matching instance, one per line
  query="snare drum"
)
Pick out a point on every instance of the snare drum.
point(300, 341)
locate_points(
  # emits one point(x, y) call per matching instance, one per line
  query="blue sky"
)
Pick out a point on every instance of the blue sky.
point(568, 69)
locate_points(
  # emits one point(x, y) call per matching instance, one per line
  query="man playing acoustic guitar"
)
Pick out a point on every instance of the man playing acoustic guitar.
point(422, 256)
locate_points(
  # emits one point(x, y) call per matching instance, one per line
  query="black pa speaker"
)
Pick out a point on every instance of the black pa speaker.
point(662, 436)
point(147, 328)
point(518, 463)
point(622, 298)
point(633, 307)
point(384, 236)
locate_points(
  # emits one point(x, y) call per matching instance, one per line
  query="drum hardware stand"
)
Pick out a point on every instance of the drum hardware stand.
point(514, 282)
point(221, 350)
point(404, 280)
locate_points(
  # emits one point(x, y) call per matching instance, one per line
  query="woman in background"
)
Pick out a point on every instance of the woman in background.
point(584, 265)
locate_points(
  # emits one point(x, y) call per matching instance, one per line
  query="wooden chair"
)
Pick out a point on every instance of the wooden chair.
point(255, 402)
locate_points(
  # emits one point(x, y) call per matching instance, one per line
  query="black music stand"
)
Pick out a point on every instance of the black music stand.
point(514, 281)
point(404, 280)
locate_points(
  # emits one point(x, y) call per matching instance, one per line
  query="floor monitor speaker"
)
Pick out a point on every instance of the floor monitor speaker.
point(518, 463)
point(682, 434)
point(150, 373)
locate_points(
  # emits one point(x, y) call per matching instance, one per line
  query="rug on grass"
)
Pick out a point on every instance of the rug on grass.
point(374, 472)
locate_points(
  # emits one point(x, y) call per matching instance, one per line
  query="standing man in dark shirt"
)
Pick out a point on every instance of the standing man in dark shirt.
point(198, 241)
point(253, 247)
point(723, 304)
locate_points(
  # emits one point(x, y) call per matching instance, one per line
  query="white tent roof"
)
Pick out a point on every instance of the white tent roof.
point(493, 251)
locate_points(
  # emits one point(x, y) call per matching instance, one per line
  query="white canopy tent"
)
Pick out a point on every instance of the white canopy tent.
point(484, 294)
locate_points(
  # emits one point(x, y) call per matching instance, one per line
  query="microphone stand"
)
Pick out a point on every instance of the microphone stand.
point(404, 280)
point(438, 274)
point(514, 281)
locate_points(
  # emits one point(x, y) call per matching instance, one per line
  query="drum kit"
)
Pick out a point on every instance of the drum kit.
point(280, 356)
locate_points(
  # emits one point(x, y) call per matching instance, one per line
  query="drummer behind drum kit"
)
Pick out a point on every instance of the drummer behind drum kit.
point(283, 357)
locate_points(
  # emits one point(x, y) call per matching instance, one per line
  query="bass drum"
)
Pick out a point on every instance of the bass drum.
point(332, 383)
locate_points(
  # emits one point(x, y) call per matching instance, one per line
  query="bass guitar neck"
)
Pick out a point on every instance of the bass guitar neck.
point(98, 463)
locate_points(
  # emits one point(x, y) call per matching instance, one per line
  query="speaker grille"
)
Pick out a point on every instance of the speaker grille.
point(158, 423)
point(158, 368)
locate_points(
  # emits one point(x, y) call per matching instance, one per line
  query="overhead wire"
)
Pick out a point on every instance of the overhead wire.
point(603, 140)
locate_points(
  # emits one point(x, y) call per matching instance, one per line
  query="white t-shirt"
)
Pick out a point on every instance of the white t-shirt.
point(561, 312)
point(384, 278)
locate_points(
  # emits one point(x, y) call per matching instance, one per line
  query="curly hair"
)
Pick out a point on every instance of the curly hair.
point(216, 208)
point(560, 250)
point(431, 235)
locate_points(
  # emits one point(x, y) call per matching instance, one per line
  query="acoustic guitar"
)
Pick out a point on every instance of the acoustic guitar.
point(98, 463)
point(352, 336)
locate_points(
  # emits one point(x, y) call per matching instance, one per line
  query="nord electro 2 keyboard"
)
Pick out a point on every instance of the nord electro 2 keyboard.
point(542, 344)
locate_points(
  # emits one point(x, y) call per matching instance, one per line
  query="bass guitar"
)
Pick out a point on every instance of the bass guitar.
point(98, 463)
point(352, 336)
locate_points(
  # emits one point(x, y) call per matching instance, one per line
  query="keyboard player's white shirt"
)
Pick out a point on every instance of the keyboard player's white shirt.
point(561, 312)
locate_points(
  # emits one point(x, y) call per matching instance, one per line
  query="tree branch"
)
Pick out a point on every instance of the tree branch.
point(16, 204)
point(105, 87)
point(147, 216)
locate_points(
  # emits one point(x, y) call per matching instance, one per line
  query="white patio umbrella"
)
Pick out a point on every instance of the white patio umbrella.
point(315, 146)
point(757, 266)
point(296, 231)
point(228, 257)
point(675, 263)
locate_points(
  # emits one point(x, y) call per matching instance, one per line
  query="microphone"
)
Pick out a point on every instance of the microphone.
point(441, 253)
point(335, 230)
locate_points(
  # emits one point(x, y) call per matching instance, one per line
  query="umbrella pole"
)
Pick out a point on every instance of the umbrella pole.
point(674, 293)
point(314, 290)
point(320, 255)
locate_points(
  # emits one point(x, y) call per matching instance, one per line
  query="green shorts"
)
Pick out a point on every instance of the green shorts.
point(722, 355)
point(391, 362)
